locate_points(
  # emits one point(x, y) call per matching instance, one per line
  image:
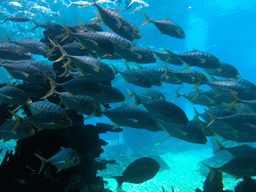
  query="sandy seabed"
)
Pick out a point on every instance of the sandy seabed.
point(184, 175)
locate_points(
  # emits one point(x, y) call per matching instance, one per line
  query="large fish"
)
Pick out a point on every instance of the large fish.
point(167, 27)
point(139, 171)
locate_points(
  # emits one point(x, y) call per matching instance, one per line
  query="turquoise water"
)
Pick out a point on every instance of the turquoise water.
point(223, 28)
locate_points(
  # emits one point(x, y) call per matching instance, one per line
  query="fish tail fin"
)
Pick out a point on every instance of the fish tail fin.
point(98, 19)
point(37, 25)
point(43, 162)
point(137, 99)
point(119, 180)
point(81, 25)
point(171, 55)
point(196, 112)
point(69, 33)
point(54, 46)
point(6, 18)
point(148, 19)
point(64, 54)
point(213, 171)
point(70, 3)
point(221, 148)
point(7, 38)
point(115, 69)
point(18, 121)
point(129, 96)
point(213, 117)
point(177, 94)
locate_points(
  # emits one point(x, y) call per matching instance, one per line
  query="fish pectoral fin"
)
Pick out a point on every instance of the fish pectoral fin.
point(24, 74)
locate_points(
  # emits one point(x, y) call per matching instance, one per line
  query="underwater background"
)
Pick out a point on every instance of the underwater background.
point(224, 28)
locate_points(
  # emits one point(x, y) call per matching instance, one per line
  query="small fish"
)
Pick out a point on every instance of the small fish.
point(64, 159)
point(148, 95)
point(16, 19)
point(167, 27)
point(78, 3)
point(139, 171)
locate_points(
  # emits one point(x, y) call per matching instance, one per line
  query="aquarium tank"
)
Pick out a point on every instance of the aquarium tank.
point(128, 95)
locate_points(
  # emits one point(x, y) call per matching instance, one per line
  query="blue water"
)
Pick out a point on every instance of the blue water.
point(224, 28)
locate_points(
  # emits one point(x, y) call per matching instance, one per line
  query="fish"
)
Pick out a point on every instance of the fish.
point(80, 103)
point(117, 23)
point(135, 54)
point(135, 77)
point(13, 52)
point(238, 151)
point(13, 96)
point(167, 27)
point(239, 122)
point(139, 171)
point(189, 76)
point(165, 56)
point(196, 98)
point(131, 117)
point(213, 182)
point(89, 65)
point(47, 119)
point(78, 3)
point(62, 160)
point(198, 59)
point(38, 106)
point(78, 86)
point(163, 110)
point(26, 72)
point(15, 19)
point(48, 25)
point(237, 167)
point(148, 95)
point(225, 70)
point(233, 89)
point(190, 132)
point(109, 95)
point(22, 130)
point(33, 46)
